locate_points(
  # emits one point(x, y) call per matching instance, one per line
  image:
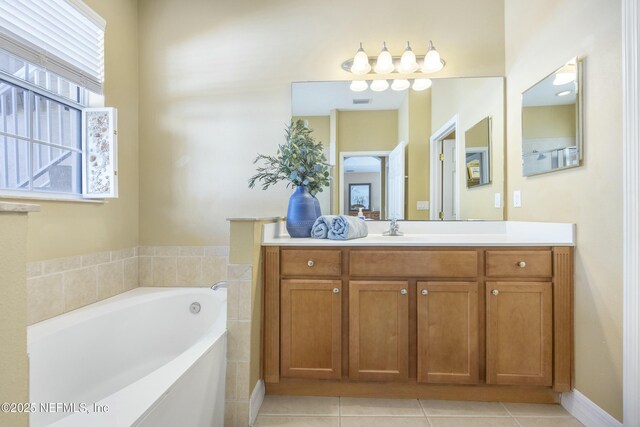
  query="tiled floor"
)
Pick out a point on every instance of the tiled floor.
point(288, 411)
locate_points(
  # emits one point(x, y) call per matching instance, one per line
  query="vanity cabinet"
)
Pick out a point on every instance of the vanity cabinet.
point(476, 323)
point(379, 330)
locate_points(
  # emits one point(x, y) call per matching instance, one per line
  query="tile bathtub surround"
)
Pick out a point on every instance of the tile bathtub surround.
point(238, 388)
point(60, 285)
point(298, 411)
point(182, 265)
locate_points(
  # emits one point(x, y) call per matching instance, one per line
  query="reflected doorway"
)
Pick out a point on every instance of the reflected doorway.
point(444, 191)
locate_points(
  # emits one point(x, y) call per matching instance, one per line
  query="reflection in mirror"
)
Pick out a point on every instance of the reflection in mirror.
point(552, 121)
point(477, 153)
point(386, 140)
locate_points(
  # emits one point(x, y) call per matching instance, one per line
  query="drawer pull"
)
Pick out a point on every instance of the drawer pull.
point(494, 292)
point(336, 290)
point(310, 263)
point(403, 291)
point(521, 264)
point(424, 292)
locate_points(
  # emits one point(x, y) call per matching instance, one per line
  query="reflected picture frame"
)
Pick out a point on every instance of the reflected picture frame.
point(360, 196)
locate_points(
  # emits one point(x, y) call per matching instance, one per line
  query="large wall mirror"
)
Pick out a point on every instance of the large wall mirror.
point(552, 121)
point(435, 154)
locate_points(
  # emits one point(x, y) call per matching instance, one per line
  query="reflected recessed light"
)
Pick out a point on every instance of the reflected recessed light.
point(563, 93)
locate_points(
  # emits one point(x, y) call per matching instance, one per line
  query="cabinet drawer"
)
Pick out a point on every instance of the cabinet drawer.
point(449, 264)
point(519, 264)
point(296, 262)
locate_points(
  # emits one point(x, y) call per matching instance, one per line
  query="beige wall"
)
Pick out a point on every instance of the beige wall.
point(549, 121)
point(216, 91)
point(418, 133)
point(373, 178)
point(540, 37)
point(473, 100)
point(70, 228)
point(14, 369)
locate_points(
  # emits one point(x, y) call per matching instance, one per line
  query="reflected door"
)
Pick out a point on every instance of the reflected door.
point(396, 182)
point(449, 179)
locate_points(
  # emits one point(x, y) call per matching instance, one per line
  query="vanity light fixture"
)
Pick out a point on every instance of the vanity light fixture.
point(566, 74)
point(384, 63)
point(563, 93)
point(432, 60)
point(360, 63)
point(359, 85)
point(421, 84)
point(408, 63)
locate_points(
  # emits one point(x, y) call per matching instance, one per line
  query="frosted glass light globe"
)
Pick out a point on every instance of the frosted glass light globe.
point(384, 63)
point(379, 85)
point(360, 62)
point(400, 84)
point(421, 84)
point(358, 86)
point(408, 62)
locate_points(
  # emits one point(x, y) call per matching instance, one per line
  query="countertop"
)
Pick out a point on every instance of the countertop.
point(441, 233)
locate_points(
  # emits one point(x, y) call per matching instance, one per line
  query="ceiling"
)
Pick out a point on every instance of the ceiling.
point(544, 93)
point(362, 164)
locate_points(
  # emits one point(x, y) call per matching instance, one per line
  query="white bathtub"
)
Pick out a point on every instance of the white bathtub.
point(142, 355)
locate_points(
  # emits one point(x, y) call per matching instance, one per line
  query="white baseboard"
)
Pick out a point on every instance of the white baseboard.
point(255, 401)
point(587, 412)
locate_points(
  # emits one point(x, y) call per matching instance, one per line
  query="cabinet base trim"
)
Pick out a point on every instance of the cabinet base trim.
point(412, 390)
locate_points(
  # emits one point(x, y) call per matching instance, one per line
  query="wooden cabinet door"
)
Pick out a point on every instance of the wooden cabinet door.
point(519, 333)
point(378, 330)
point(311, 329)
point(447, 332)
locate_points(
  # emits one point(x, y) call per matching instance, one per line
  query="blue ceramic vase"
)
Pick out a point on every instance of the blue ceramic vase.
point(302, 212)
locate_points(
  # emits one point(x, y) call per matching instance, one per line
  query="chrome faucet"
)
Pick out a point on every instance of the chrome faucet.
point(219, 285)
point(394, 228)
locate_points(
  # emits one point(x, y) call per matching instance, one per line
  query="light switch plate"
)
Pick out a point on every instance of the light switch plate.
point(517, 199)
point(422, 205)
point(497, 200)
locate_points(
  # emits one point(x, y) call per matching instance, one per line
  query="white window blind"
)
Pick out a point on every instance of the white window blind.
point(63, 36)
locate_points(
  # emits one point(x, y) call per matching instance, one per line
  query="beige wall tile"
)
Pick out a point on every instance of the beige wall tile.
point(238, 340)
point(214, 269)
point(189, 271)
point(216, 251)
point(242, 413)
point(110, 279)
point(122, 254)
point(244, 299)
point(166, 251)
point(230, 381)
point(130, 273)
point(239, 272)
point(146, 251)
point(95, 258)
point(164, 271)
point(191, 251)
point(45, 298)
point(80, 288)
point(34, 269)
point(230, 414)
point(242, 381)
point(61, 264)
point(145, 271)
point(232, 300)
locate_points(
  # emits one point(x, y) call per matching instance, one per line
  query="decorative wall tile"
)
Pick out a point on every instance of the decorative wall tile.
point(146, 251)
point(238, 340)
point(189, 271)
point(165, 271)
point(80, 288)
point(34, 269)
point(130, 273)
point(239, 272)
point(61, 264)
point(214, 269)
point(166, 251)
point(95, 258)
point(191, 251)
point(45, 298)
point(244, 299)
point(122, 254)
point(145, 271)
point(216, 251)
point(110, 279)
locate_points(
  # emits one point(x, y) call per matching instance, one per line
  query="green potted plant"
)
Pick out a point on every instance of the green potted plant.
point(301, 162)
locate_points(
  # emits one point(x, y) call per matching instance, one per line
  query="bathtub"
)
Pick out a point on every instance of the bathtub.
point(141, 358)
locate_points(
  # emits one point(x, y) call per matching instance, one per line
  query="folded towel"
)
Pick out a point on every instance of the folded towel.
point(347, 227)
point(321, 227)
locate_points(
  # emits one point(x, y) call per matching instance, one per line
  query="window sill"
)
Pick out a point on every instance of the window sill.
point(49, 198)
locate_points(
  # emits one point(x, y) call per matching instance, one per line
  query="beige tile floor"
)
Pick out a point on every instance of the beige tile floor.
point(289, 411)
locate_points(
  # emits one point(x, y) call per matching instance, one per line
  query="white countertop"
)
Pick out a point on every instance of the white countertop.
point(440, 233)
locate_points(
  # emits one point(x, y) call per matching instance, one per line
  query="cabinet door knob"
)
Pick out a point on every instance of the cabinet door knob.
point(336, 290)
point(424, 292)
point(403, 291)
point(521, 264)
point(494, 292)
point(310, 263)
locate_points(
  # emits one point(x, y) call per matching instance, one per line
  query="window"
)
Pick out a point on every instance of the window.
point(44, 147)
